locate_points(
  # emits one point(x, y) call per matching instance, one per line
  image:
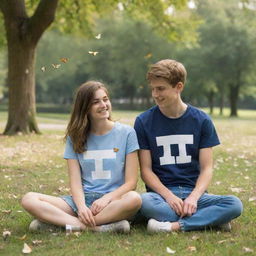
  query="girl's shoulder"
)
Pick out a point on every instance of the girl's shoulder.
point(120, 127)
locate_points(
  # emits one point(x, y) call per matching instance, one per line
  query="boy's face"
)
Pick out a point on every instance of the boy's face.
point(163, 93)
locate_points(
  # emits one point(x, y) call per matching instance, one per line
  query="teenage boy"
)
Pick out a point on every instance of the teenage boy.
point(176, 159)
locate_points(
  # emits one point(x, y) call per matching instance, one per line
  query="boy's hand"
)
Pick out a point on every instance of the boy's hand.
point(189, 206)
point(176, 203)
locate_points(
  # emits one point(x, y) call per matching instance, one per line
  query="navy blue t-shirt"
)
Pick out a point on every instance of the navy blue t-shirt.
point(175, 143)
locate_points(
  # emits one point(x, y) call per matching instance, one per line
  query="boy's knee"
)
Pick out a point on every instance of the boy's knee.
point(236, 205)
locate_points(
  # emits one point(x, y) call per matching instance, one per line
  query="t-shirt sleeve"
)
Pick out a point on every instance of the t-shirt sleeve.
point(142, 138)
point(69, 151)
point(209, 137)
point(132, 142)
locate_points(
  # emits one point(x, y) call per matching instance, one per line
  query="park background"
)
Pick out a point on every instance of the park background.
point(115, 42)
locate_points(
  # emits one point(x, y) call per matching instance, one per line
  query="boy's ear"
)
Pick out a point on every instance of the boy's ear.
point(180, 86)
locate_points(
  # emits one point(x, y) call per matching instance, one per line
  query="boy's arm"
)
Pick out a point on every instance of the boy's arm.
point(152, 181)
point(203, 181)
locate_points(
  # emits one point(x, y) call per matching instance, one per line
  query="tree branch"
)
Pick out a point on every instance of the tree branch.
point(42, 18)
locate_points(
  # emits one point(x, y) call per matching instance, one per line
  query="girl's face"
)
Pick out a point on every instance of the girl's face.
point(101, 106)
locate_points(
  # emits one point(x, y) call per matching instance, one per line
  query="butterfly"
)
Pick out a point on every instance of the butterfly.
point(93, 53)
point(116, 149)
point(64, 60)
point(149, 55)
point(56, 65)
point(98, 36)
point(43, 69)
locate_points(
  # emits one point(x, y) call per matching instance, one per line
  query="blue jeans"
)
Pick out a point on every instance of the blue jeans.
point(212, 210)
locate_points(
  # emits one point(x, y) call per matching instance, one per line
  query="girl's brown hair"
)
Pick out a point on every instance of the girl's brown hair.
point(79, 125)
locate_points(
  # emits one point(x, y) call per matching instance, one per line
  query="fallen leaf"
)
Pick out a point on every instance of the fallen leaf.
point(237, 190)
point(6, 211)
point(6, 234)
point(252, 199)
point(222, 241)
point(77, 234)
point(23, 237)
point(43, 69)
point(192, 248)
point(93, 53)
point(26, 249)
point(98, 36)
point(246, 249)
point(195, 237)
point(169, 250)
point(36, 242)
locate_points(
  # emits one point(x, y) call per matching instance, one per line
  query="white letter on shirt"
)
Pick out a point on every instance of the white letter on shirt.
point(98, 156)
point(181, 141)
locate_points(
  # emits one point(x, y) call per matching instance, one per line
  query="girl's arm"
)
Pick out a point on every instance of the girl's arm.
point(131, 178)
point(84, 213)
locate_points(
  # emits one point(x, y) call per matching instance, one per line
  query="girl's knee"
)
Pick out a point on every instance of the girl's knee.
point(28, 199)
point(133, 199)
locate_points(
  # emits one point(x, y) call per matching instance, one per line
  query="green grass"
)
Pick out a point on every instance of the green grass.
point(34, 163)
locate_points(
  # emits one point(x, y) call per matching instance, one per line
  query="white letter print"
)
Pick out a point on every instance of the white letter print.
point(181, 141)
point(98, 156)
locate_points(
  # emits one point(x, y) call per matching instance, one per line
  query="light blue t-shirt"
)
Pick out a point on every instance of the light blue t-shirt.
point(103, 163)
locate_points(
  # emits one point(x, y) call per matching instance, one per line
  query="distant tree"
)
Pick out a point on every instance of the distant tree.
point(227, 46)
point(25, 23)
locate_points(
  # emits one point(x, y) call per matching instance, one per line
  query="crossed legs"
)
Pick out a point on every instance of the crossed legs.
point(56, 211)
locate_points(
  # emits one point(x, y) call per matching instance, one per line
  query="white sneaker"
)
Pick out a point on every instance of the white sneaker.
point(155, 226)
point(122, 226)
point(37, 225)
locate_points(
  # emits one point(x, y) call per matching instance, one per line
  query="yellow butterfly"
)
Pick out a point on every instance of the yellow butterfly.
point(93, 53)
point(56, 65)
point(98, 36)
point(149, 55)
point(64, 60)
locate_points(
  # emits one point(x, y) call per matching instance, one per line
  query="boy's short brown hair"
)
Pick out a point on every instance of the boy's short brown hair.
point(171, 70)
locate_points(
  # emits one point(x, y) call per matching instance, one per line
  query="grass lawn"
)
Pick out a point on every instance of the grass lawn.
point(35, 163)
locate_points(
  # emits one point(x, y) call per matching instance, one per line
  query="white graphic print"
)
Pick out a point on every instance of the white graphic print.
point(181, 141)
point(98, 156)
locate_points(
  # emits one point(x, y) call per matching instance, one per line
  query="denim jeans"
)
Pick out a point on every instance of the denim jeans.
point(90, 197)
point(212, 210)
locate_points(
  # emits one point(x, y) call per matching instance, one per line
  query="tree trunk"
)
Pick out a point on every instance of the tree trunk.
point(233, 97)
point(21, 83)
point(221, 104)
point(23, 34)
point(211, 101)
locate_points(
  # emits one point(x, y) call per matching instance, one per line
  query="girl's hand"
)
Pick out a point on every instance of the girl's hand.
point(99, 204)
point(85, 215)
